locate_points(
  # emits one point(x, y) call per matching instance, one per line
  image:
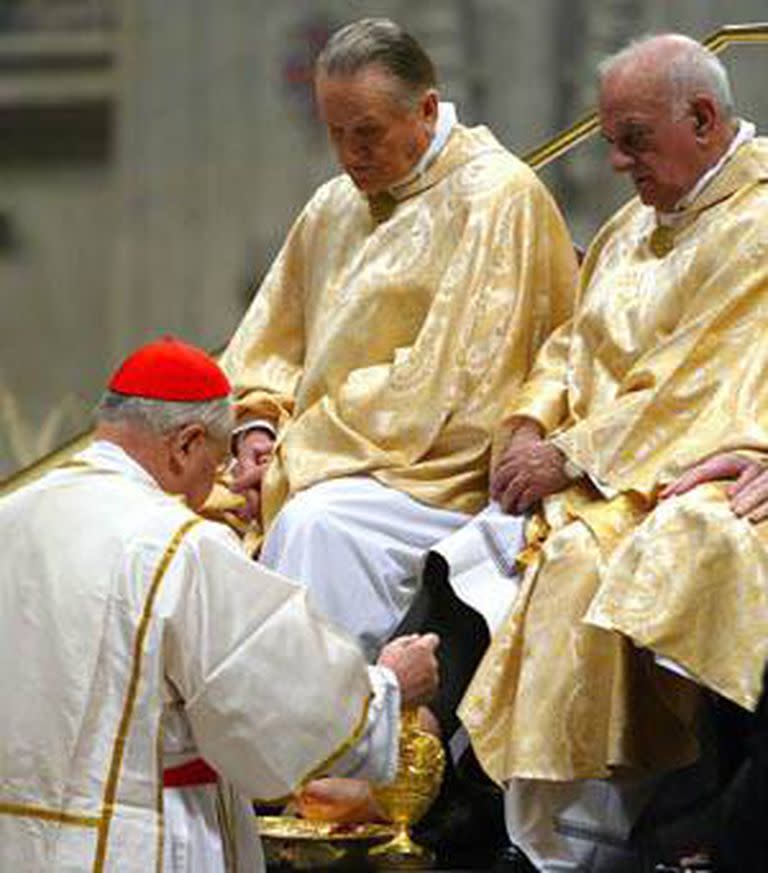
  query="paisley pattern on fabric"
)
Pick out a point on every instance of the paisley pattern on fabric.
point(393, 347)
point(665, 363)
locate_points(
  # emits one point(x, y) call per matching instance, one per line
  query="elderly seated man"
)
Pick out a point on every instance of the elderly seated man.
point(628, 605)
point(400, 317)
point(143, 647)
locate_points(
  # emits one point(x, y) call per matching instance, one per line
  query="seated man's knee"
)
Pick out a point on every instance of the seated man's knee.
point(309, 512)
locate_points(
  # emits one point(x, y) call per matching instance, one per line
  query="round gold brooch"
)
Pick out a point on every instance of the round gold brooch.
point(662, 241)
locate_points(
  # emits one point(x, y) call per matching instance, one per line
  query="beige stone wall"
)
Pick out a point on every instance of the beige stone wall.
point(52, 283)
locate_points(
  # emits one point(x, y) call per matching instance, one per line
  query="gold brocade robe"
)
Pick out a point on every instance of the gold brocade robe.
point(664, 364)
point(391, 347)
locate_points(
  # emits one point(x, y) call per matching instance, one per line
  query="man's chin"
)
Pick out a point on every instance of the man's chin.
point(659, 205)
point(649, 195)
point(371, 190)
point(645, 192)
point(367, 186)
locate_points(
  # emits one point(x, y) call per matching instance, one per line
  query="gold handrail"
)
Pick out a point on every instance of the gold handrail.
point(48, 462)
point(586, 126)
point(551, 150)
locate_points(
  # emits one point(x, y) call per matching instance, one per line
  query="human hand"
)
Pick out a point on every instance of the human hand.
point(530, 468)
point(254, 452)
point(748, 494)
point(412, 659)
point(526, 432)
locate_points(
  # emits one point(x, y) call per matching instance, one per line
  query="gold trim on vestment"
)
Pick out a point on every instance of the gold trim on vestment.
point(83, 466)
point(73, 463)
point(345, 746)
point(159, 812)
point(351, 741)
point(536, 532)
point(118, 748)
point(225, 816)
point(66, 818)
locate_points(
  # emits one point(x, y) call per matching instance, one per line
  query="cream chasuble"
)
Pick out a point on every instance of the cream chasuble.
point(390, 346)
point(129, 608)
point(664, 364)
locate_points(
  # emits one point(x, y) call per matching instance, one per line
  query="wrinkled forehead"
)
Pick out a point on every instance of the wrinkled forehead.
point(631, 99)
point(369, 92)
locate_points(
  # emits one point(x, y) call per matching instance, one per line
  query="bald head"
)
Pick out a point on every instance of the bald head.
point(667, 111)
point(674, 65)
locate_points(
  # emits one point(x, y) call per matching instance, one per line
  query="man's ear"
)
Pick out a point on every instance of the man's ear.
point(183, 442)
point(429, 104)
point(705, 116)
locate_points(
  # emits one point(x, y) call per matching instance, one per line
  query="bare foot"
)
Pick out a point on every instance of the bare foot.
point(338, 800)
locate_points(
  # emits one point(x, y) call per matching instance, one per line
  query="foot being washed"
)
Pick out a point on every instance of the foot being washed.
point(348, 801)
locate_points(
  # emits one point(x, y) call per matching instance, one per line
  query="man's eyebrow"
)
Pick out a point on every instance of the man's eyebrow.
point(357, 122)
point(633, 124)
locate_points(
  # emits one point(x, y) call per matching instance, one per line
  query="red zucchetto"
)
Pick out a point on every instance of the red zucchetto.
point(168, 369)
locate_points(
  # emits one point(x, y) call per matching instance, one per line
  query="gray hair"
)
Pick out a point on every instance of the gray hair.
point(163, 416)
point(692, 69)
point(383, 42)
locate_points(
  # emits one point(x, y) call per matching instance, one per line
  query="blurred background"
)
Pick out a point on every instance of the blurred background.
point(153, 154)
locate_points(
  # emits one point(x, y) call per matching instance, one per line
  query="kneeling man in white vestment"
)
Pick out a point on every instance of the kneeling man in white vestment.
point(143, 647)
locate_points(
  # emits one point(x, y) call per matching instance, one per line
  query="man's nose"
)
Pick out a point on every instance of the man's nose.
point(621, 162)
point(356, 147)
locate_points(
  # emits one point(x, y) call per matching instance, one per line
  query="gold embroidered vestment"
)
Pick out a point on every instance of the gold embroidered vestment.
point(665, 363)
point(390, 346)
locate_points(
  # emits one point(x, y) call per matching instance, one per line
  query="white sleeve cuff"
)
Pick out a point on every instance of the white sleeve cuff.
point(375, 757)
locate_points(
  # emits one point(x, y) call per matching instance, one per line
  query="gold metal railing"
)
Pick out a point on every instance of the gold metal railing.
point(546, 153)
point(587, 125)
point(46, 463)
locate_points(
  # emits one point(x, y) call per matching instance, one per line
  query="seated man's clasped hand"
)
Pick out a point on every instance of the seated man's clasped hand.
point(529, 469)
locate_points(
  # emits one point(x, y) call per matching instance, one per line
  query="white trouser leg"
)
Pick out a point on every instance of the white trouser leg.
point(481, 558)
point(192, 839)
point(358, 546)
point(574, 826)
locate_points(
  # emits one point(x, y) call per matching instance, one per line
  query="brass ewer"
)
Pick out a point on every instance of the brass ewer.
point(406, 800)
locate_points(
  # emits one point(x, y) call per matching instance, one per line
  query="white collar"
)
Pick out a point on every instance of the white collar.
point(744, 133)
point(106, 455)
point(446, 119)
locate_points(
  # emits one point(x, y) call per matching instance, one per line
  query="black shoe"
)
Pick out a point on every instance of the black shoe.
point(511, 860)
point(467, 820)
